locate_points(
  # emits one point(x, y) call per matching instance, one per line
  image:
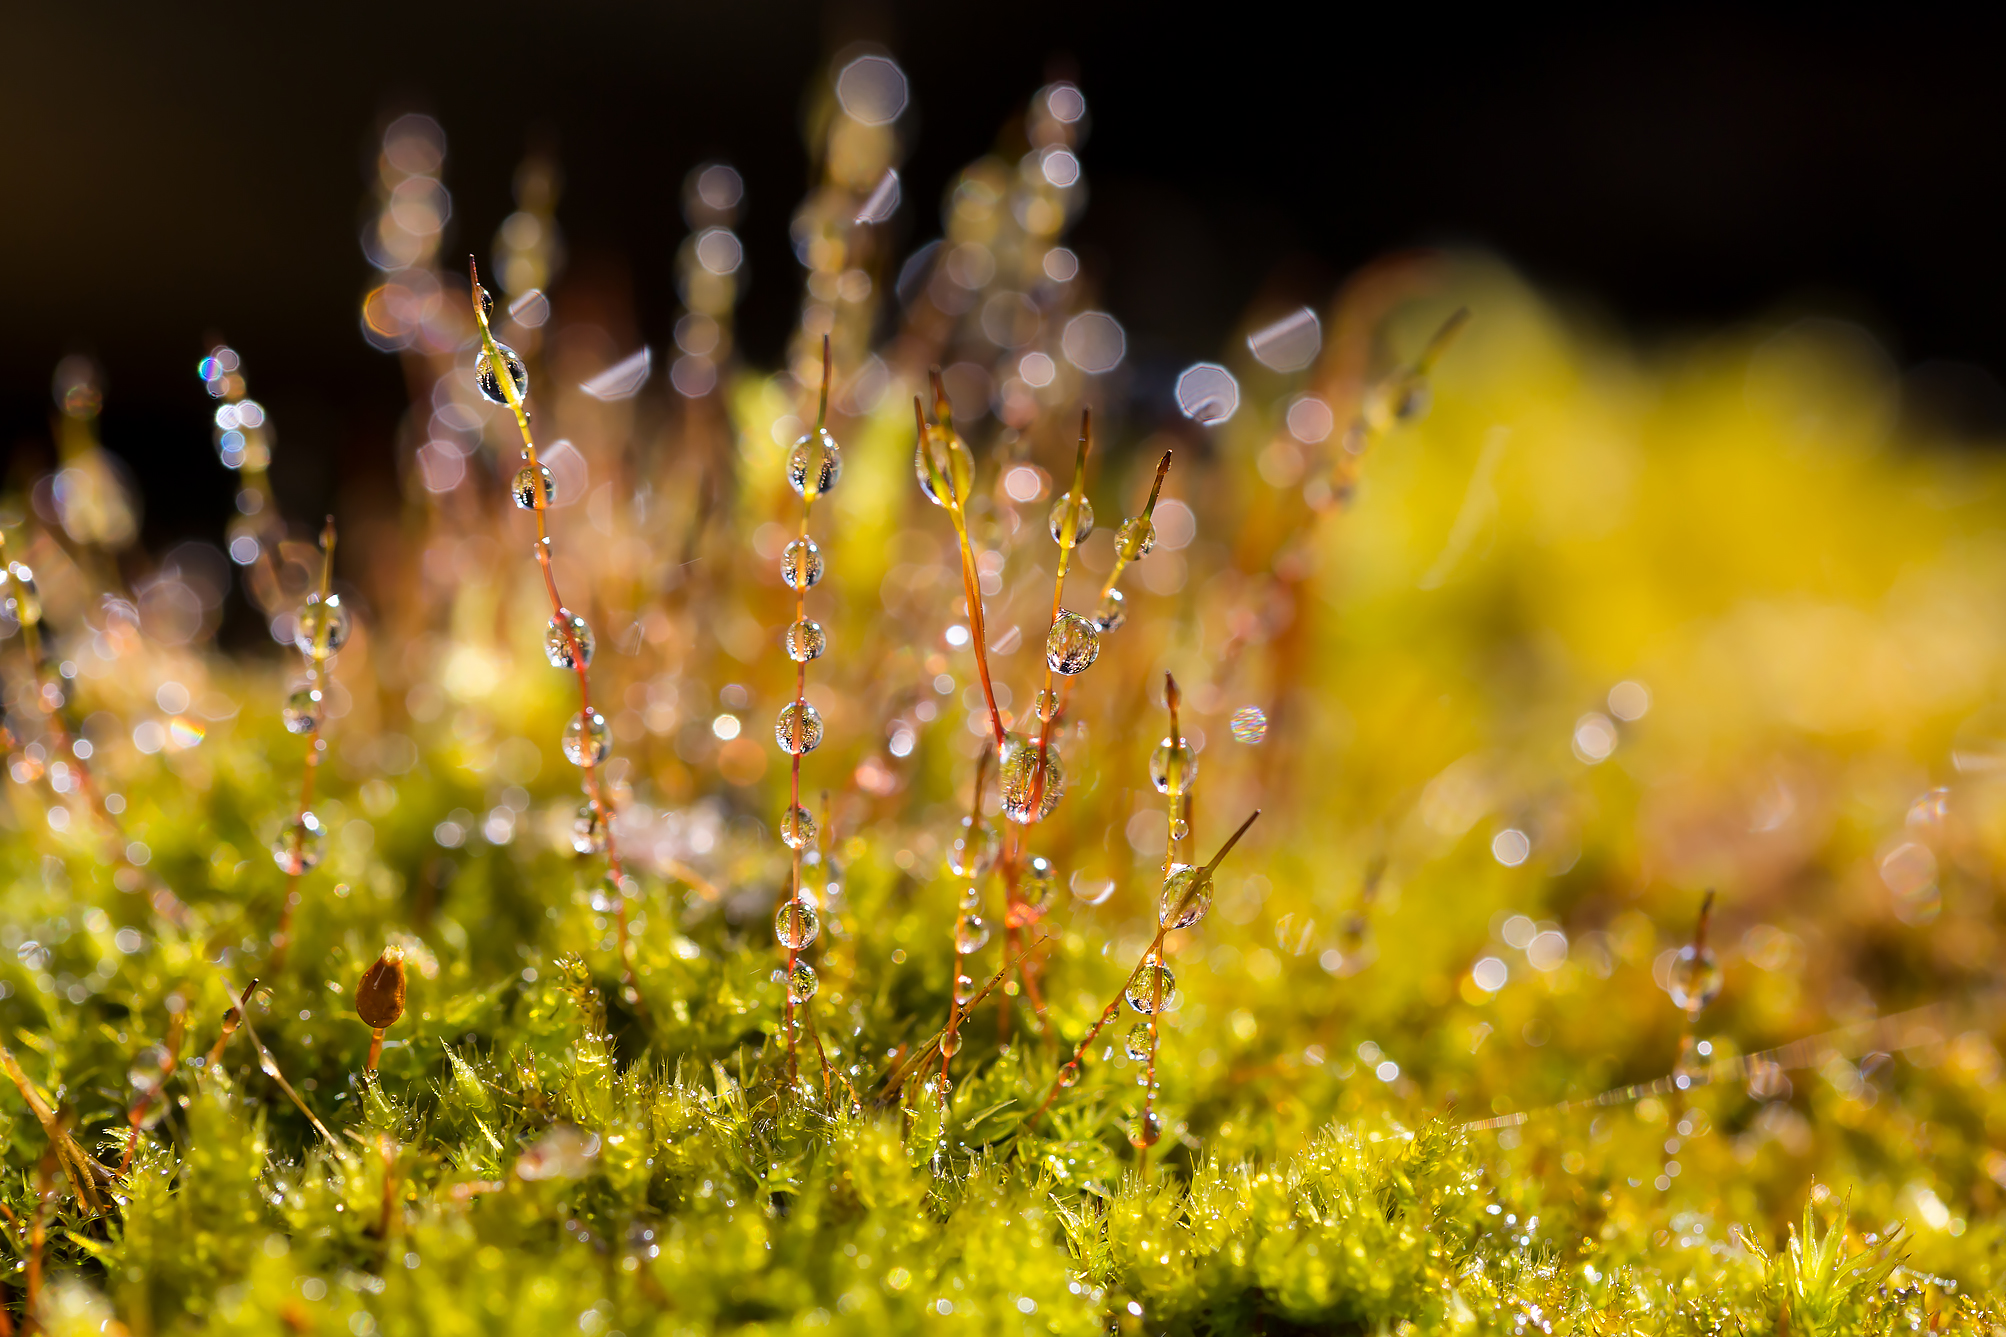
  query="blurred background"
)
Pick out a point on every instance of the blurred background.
point(175, 180)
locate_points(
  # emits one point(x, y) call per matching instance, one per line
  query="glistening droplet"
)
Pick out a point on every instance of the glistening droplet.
point(1082, 527)
point(802, 983)
point(298, 847)
point(1135, 538)
point(1030, 788)
point(816, 454)
point(1695, 979)
point(1173, 766)
point(588, 830)
point(796, 924)
point(1150, 988)
point(587, 740)
point(322, 628)
point(973, 848)
point(1136, 1044)
point(799, 728)
point(1186, 896)
point(490, 383)
point(1037, 890)
point(302, 712)
point(971, 934)
point(1112, 611)
point(557, 647)
point(951, 458)
point(801, 564)
point(1072, 645)
point(805, 641)
point(797, 829)
point(525, 486)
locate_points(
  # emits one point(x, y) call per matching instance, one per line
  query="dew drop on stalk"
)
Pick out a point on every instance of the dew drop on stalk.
point(815, 453)
point(1249, 724)
point(1137, 1044)
point(1173, 766)
point(943, 1084)
point(1179, 828)
point(302, 713)
point(587, 740)
point(1082, 527)
point(971, 899)
point(964, 989)
point(806, 640)
point(1070, 1073)
point(1017, 776)
point(801, 564)
point(797, 828)
point(1073, 643)
point(1150, 988)
point(1045, 706)
point(1112, 611)
point(298, 847)
point(796, 924)
point(802, 981)
point(1037, 890)
point(1146, 1130)
point(588, 830)
point(1135, 538)
point(951, 458)
point(1187, 895)
point(971, 934)
point(973, 848)
point(799, 728)
point(524, 488)
point(950, 1043)
point(490, 383)
point(557, 646)
point(314, 616)
point(1695, 979)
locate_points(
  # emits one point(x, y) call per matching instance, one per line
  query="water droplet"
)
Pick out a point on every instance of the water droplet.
point(1018, 775)
point(587, 740)
point(322, 628)
point(487, 301)
point(147, 1072)
point(1695, 979)
point(1082, 527)
point(588, 830)
point(973, 848)
point(1112, 612)
point(1179, 829)
point(1037, 889)
point(557, 646)
point(799, 728)
point(524, 487)
point(1137, 1044)
point(964, 989)
point(796, 924)
point(1249, 724)
point(802, 981)
point(951, 458)
point(302, 710)
point(1073, 643)
point(950, 1043)
point(797, 829)
point(1150, 988)
point(943, 1084)
point(1146, 1130)
point(801, 565)
point(1173, 766)
point(971, 934)
point(1187, 895)
point(805, 641)
point(1069, 1074)
point(1045, 706)
point(490, 383)
point(971, 899)
point(1135, 538)
point(818, 453)
point(298, 847)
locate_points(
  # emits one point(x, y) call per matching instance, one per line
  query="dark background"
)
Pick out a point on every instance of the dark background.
point(180, 171)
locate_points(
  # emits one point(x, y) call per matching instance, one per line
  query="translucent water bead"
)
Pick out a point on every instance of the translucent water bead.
point(796, 924)
point(1112, 611)
point(973, 848)
point(298, 846)
point(1150, 988)
point(1135, 538)
point(802, 981)
point(971, 934)
point(490, 383)
point(1136, 1044)
point(302, 712)
point(588, 830)
point(1173, 766)
point(951, 459)
point(524, 487)
point(1037, 891)
point(587, 740)
point(816, 453)
point(1083, 527)
point(1072, 645)
point(1187, 895)
point(797, 829)
point(799, 728)
point(805, 641)
point(950, 1043)
point(1695, 979)
point(801, 565)
point(322, 628)
point(1017, 776)
point(557, 646)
